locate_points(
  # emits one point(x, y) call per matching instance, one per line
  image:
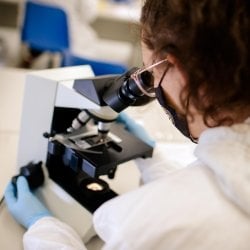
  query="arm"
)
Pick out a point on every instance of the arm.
point(156, 167)
point(44, 231)
point(151, 168)
point(50, 233)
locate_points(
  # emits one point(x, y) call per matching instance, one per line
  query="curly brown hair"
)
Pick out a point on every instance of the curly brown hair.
point(211, 40)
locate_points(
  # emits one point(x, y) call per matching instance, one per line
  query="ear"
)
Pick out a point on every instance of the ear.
point(172, 59)
point(176, 67)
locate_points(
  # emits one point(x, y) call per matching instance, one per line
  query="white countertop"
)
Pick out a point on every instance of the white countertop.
point(11, 89)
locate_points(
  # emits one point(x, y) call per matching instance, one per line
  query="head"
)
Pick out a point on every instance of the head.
point(206, 43)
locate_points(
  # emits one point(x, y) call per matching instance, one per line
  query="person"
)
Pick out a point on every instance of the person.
point(197, 54)
point(84, 40)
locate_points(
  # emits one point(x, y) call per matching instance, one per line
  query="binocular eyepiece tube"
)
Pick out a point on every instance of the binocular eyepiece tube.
point(118, 92)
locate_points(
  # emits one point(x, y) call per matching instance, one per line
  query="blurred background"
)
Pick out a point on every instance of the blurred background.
point(103, 30)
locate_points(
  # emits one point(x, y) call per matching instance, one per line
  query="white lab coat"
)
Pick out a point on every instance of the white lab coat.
point(203, 206)
point(84, 41)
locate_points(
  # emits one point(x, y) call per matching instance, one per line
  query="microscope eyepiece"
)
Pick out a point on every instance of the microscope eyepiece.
point(134, 88)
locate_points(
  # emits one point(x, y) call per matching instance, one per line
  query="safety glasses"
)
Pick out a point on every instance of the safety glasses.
point(144, 78)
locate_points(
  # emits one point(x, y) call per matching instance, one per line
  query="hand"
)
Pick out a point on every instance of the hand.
point(24, 206)
point(135, 129)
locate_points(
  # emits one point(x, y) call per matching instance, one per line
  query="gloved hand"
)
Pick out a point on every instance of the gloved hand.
point(24, 206)
point(135, 128)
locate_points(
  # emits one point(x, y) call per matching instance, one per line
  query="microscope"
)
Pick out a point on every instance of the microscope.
point(69, 124)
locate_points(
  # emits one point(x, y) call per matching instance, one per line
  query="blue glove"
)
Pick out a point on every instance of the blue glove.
point(135, 129)
point(25, 206)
